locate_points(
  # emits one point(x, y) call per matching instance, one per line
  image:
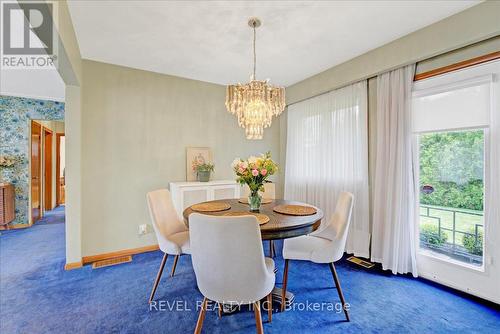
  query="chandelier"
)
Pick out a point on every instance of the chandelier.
point(255, 103)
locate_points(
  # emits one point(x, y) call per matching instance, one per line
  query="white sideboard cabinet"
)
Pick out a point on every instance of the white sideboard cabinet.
point(185, 194)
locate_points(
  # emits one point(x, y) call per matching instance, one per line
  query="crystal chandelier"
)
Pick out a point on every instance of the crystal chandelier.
point(256, 102)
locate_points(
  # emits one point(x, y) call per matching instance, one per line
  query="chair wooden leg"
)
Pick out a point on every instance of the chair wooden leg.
point(201, 317)
point(158, 276)
point(175, 265)
point(285, 281)
point(258, 318)
point(270, 307)
point(339, 290)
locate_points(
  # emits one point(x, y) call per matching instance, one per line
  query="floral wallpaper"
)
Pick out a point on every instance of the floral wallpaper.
point(15, 116)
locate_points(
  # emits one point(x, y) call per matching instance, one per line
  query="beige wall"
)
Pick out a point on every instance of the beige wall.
point(73, 177)
point(70, 60)
point(136, 126)
point(70, 68)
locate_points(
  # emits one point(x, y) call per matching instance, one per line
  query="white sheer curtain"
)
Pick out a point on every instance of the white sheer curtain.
point(393, 240)
point(327, 153)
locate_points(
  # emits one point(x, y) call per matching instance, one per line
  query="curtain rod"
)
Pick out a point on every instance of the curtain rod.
point(458, 66)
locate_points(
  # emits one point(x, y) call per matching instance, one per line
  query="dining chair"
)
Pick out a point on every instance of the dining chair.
point(326, 246)
point(268, 193)
point(172, 234)
point(229, 263)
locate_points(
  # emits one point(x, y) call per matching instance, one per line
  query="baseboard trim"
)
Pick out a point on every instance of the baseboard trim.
point(125, 252)
point(73, 265)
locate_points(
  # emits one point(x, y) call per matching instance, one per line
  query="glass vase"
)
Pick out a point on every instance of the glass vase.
point(254, 201)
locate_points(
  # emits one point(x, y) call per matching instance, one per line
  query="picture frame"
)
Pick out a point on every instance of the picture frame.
point(202, 154)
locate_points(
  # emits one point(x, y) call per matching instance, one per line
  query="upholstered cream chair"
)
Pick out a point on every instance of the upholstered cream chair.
point(172, 234)
point(229, 263)
point(268, 193)
point(326, 246)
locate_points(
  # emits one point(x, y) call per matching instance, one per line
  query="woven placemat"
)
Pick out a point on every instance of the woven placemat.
point(263, 201)
point(261, 218)
point(210, 206)
point(295, 210)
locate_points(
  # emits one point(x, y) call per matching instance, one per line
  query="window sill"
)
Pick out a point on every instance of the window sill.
point(447, 259)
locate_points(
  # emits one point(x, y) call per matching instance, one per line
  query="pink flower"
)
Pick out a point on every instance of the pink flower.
point(255, 172)
point(263, 172)
point(241, 170)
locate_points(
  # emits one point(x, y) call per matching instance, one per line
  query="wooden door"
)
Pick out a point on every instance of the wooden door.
point(47, 157)
point(36, 171)
point(60, 182)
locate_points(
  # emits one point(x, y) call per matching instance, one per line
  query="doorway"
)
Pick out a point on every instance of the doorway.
point(47, 167)
point(456, 162)
point(47, 160)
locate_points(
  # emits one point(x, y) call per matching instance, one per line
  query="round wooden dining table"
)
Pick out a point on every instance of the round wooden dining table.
point(280, 226)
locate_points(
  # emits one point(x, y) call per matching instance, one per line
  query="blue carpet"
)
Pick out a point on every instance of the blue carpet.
point(38, 296)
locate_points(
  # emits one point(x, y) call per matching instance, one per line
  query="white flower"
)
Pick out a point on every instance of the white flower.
point(235, 162)
point(252, 160)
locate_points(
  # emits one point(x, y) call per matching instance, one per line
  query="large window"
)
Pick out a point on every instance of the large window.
point(452, 194)
point(451, 120)
point(456, 126)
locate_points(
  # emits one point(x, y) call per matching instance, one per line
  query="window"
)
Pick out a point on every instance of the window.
point(451, 121)
point(452, 194)
point(456, 125)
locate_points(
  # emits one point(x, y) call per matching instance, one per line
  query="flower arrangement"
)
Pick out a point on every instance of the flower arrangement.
point(254, 172)
point(202, 169)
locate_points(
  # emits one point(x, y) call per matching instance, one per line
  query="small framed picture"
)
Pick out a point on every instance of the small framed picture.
point(196, 155)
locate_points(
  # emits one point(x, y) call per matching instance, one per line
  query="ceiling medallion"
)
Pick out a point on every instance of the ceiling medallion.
point(256, 102)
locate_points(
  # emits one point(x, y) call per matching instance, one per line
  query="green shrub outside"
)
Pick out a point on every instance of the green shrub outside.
point(430, 235)
point(469, 242)
point(453, 164)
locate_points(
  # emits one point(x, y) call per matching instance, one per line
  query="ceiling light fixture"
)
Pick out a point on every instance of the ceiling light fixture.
point(256, 102)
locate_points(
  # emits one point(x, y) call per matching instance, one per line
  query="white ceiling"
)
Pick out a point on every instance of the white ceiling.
point(45, 84)
point(37, 84)
point(210, 40)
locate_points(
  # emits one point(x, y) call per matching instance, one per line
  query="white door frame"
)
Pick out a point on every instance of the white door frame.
point(484, 281)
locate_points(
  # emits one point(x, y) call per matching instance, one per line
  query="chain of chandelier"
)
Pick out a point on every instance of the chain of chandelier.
point(256, 102)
